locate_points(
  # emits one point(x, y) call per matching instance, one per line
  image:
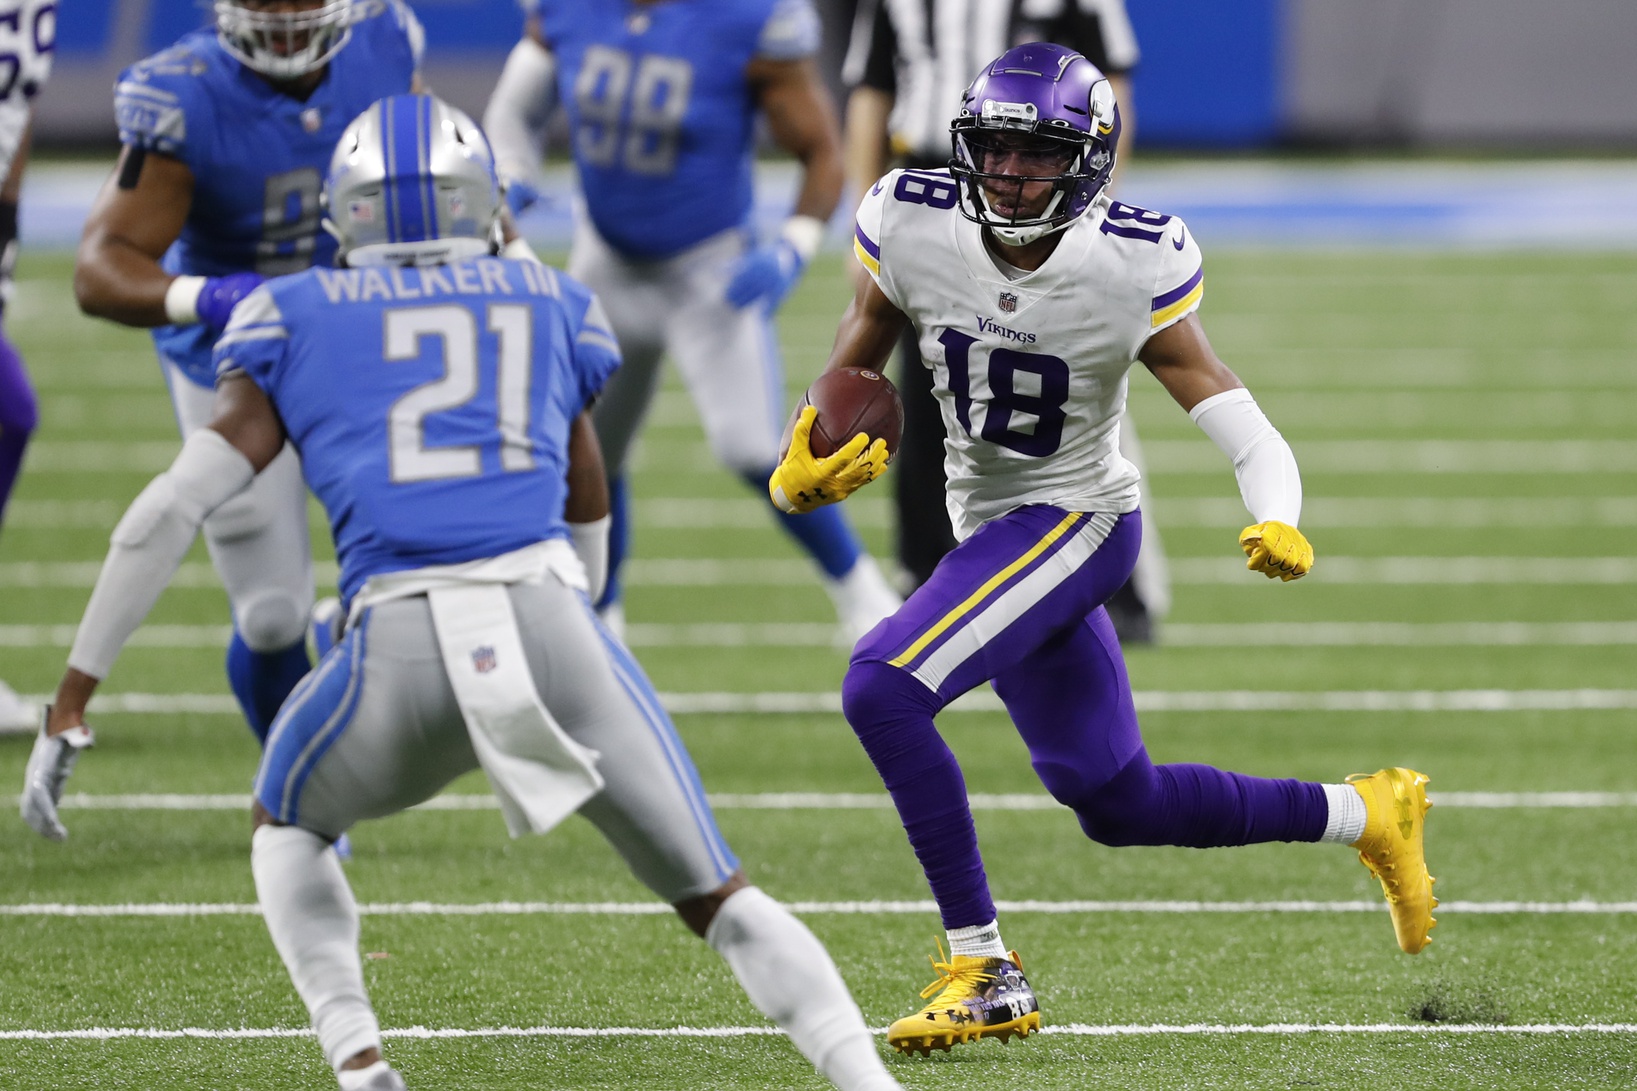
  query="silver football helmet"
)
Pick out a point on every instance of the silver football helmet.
point(282, 43)
point(412, 182)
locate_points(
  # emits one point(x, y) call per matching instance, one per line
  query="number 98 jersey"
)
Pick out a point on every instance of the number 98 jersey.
point(660, 113)
point(258, 155)
point(1029, 370)
point(28, 38)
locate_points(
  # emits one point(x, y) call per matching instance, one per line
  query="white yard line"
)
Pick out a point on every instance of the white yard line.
point(797, 634)
point(678, 513)
point(804, 703)
point(821, 801)
point(775, 572)
point(846, 908)
point(1071, 1030)
point(1196, 455)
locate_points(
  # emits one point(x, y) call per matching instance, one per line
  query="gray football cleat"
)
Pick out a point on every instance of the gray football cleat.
point(49, 764)
point(382, 1078)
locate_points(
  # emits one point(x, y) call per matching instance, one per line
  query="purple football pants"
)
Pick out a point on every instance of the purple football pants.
point(1019, 603)
point(19, 415)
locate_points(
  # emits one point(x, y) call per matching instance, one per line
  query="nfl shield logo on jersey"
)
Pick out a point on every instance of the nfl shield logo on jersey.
point(1008, 302)
point(483, 659)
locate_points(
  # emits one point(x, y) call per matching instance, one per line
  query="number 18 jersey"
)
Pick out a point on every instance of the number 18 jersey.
point(1029, 368)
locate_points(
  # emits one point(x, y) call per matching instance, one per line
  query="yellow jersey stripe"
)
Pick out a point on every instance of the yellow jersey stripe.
point(1179, 307)
point(989, 585)
point(864, 258)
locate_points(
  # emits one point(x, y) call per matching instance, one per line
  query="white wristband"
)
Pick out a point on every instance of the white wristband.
point(182, 300)
point(590, 542)
point(804, 234)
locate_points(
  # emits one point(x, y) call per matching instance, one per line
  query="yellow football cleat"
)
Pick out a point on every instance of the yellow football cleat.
point(1395, 808)
point(977, 998)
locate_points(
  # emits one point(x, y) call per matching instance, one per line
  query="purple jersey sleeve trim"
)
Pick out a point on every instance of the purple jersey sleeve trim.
point(1163, 301)
point(870, 248)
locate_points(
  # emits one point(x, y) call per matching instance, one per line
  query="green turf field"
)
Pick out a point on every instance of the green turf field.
point(1465, 428)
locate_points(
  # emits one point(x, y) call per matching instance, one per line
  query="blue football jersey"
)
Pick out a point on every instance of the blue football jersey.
point(258, 155)
point(431, 406)
point(662, 119)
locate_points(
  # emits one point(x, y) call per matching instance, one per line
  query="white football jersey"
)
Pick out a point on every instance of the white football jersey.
point(28, 37)
point(1030, 372)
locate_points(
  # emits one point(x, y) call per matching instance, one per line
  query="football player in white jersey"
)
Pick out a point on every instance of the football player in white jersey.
point(1032, 294)
point(28, 37)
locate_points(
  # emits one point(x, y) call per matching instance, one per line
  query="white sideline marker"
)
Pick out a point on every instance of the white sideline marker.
point(1067, 1030)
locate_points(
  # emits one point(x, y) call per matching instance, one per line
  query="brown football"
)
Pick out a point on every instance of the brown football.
point(849, 400)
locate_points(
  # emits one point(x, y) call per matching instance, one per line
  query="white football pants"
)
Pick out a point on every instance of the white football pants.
point(258, 540)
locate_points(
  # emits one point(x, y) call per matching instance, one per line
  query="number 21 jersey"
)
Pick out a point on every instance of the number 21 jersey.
point(1029, 368)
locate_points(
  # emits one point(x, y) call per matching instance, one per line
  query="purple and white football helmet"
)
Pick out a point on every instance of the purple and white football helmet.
point(1060, 101)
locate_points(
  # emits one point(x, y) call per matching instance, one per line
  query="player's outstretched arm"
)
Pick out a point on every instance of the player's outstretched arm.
point(801, 120)
point(801, 482)
point(1185, 364)
point(136, 216)
point(139, 212)
point(515, 119)
point(214, 465)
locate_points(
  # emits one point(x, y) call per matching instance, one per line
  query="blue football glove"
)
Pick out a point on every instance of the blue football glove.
point(766, 275)
point(520, 197)
point(221, 294)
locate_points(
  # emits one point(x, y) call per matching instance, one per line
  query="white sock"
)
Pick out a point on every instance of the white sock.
point(309, 910)
point(977, 941)
point(1346, 822)
point(788, 975)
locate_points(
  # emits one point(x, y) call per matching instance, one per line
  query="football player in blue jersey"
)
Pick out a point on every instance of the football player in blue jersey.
point(439, 395)
point(225, 137)
point(662, 101)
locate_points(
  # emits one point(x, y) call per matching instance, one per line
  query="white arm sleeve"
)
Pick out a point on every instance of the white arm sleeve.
point(515, 119)
point(591, 546)
point(1269, 482)
point(150, 542)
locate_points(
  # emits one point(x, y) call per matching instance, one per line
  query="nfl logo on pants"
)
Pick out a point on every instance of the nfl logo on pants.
point(483, 659)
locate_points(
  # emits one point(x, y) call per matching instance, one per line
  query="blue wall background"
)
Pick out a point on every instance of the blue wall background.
point(1209, 72)
point(1208, 78)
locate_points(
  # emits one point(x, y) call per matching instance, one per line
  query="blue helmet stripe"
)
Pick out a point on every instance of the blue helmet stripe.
point(408, 131)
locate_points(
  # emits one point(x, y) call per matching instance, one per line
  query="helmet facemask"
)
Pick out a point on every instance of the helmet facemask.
point(1001, 170)
point(1039, 114)
point(283, 44)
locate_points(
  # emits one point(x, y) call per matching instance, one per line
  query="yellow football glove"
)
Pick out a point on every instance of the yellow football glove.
point(803, 482)
point(1276, 549)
